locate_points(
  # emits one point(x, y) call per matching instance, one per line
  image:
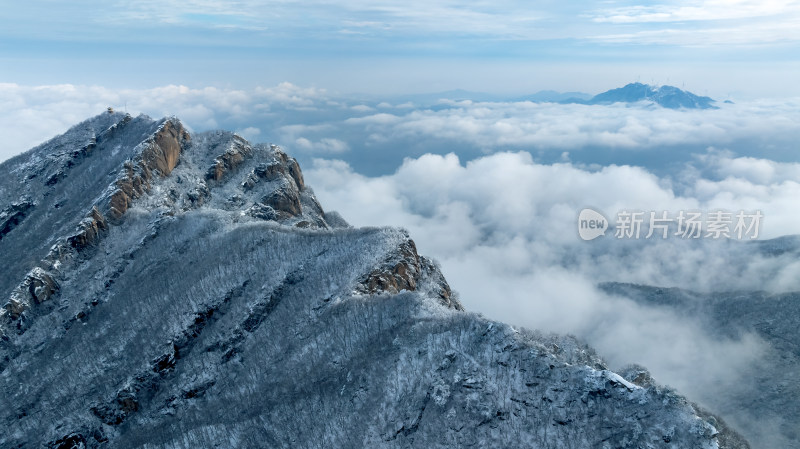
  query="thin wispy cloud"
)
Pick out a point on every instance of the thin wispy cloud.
point(410, 22)
point(365, 18)
point(745, 34)
point(716, 10)
point(199, 12)
point(709, 23)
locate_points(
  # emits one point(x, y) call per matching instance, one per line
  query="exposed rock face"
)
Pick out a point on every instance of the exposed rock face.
point(230, 159)
point(224, 307)
point(405, 269)
point(282, 166)
point(400, 271)
point(165, 152)
point(37, 287)
point(295, 173)
point(284, 201)
point(285, 198)
point(89, 230)
point(160, 154)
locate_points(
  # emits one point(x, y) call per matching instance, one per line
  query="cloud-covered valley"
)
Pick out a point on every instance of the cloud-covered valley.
point(504, 229)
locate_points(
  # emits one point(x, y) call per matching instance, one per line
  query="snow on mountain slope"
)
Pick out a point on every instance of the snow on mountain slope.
point(163, 289)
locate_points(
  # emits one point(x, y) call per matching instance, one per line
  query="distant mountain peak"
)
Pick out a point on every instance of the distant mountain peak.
point(666, 96)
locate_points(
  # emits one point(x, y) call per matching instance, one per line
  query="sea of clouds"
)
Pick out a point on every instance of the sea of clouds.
point(492, 190)
point(505, 231)
point(375, 134)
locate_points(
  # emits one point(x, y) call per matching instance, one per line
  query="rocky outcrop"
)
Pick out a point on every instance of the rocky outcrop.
point(282, 166)
point(38, 287)
point(165, 152)
point(405, 269)
point(89, 230)
point(231, 159)
point(160, 154)
point(267, 172)
point(400, 271)
point(294, 171)
point(13, 215)
point(285, 199)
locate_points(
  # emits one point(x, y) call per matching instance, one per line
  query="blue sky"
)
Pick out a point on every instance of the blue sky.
point(721, 48)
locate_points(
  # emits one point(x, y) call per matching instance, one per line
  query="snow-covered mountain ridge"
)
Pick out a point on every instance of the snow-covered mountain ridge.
point(168, 289)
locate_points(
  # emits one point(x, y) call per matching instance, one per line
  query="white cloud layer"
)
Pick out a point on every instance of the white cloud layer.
point(559, 126)
point(505, 231)
point(309, 121)
point(325, 145)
